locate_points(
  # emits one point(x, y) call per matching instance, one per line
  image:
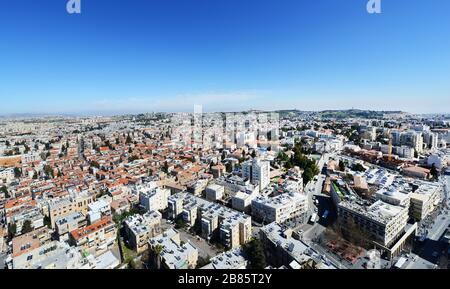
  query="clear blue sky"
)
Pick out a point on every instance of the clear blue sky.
point(151, 55)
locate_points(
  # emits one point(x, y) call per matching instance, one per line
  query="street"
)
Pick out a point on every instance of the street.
point(3, 257)
point(204, 249)
point(428, 253)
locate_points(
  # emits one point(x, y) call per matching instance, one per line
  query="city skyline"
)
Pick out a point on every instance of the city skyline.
point(144, 56)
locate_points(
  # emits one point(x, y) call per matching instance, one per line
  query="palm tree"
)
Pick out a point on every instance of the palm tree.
point(157, 252)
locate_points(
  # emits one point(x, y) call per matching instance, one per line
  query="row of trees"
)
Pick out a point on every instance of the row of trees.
point(12, 229)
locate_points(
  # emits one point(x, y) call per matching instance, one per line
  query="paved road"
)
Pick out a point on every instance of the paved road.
point(428, 253)
point(204, 249)
point(80, 149)
point(3, 257)
point(329, 256)
point(313, 189)
point(442, 220)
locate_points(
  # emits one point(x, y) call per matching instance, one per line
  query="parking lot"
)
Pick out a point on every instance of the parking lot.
point(205, 250)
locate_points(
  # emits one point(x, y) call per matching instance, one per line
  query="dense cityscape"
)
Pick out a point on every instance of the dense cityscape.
point(344, 189)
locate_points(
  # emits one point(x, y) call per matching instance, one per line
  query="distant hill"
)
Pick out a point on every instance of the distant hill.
point(355, 113)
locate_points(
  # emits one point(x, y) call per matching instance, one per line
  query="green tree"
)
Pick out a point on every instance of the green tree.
point(282, 157)
point(203, 261)
point(255, 253)
point(434, 172)
point(26, 227)
point(47, 221)
point(17, 173)
point(165, 167)
point(12, 230)
point(5, 190)
point(128, 140)
point(48, 170)
point(358, 168)
point(132, 158)
point(341, 166)
point(94, 164)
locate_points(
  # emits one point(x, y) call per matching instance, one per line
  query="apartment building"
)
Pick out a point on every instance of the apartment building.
point(69, 223)
point(383, 222)
point(229, 227)
point(284, 207)
point(74, 202)
point(25, 246)
point(154, 199)
point(242, 201)
point(413, 139)
point(230, 260)
point(233, 184)
point(33, 215)
point(214, 192)
point(97, 210)
point(257, 171)
point(140, 228)
point(96, 238)
point(425, 199)
point(283, 250)
point(82, 200)
point(6, 175)
point(169, 253)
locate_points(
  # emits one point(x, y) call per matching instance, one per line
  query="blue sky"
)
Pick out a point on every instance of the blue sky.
point(228, 55)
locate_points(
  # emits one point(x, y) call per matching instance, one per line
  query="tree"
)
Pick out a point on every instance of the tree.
point(358, 168)
point(282, 157)
point(94, 164)
point(48, 170)
point(26, 227)
point(132, 158)
point(128, 140)
point(157, 252)
point(8, 144)
point(434, 172)
point(341, 166)
point(253, 154)
point(12, 230)
point(223, 155)
point(228, 167)
point(5, 191)
point(17, 173)
point(203, 261)
point(443, 261)
point(47, 221)
point(165, 167)
point(180, 223)
point(255, 253)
